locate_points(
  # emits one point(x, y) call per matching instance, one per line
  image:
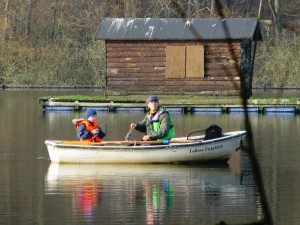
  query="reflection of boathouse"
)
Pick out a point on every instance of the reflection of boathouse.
point(179, 54)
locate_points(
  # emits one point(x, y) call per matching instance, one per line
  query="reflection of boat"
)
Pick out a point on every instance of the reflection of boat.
point(157, 194)
point(177, 150)
point(72, 174)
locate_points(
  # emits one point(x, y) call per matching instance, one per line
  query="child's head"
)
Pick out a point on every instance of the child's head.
point(90, 113)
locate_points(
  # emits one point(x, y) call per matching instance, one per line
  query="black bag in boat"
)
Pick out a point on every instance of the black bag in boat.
point(213, 131)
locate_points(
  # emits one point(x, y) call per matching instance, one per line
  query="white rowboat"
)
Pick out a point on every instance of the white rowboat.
point(178, 150)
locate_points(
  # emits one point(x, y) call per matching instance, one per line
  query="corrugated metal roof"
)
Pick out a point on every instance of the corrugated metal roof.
point(178, 29)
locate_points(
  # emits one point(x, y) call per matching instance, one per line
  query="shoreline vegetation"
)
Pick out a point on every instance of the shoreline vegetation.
point(211, 98)
point(277, 65)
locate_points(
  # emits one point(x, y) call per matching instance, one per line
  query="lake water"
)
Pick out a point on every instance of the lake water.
point(34, 191)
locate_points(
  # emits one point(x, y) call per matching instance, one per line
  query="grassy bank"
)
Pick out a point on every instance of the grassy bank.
point(169, 99)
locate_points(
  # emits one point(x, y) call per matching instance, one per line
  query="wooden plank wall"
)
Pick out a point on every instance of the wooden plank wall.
point(142, 65)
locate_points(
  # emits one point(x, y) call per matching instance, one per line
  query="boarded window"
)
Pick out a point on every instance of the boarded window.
point(175, 64)
point(195, 61)
point(185, 61)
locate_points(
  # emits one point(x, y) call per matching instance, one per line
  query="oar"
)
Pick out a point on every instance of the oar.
point(128, 135)
point(165, 142)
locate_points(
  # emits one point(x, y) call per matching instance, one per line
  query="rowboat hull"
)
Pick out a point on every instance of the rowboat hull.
point(175, 152)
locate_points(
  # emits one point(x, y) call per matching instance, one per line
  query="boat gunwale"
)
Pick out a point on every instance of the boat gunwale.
point(227, 136)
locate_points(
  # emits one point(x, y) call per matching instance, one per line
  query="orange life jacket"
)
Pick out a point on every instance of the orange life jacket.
point(89, 126)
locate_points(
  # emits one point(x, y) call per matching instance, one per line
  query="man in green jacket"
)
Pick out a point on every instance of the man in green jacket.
point(158, 124)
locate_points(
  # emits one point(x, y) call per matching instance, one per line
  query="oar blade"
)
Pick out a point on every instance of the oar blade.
point(128, 136)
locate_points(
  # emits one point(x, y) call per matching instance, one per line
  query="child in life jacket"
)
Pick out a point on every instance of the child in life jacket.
point(88, 129)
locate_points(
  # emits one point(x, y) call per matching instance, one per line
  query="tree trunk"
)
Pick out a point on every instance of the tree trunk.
point(221, 10)
point(52, 34)
point(275, 18)
point(277, 5)
point(212, 8)
point(259, 9)
point(130, 8)
point(189, 9)
point(127, 8)
point(29, 16)
point(60, 20)
point(5, 27)
point(177, 6)
point(197, 8)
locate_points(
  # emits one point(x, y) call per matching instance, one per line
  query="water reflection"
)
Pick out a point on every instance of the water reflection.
point(280, 114)
point(87, 196)
point(156, 192)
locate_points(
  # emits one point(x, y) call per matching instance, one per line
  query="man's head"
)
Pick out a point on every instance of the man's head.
point(153, 103)
point(152, 98)
point(90, 113)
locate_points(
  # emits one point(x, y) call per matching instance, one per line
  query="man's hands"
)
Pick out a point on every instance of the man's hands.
point(146, 138)
point(133, 125)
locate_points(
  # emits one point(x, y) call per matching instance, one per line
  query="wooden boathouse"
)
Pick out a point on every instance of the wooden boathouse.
point(180, 54)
